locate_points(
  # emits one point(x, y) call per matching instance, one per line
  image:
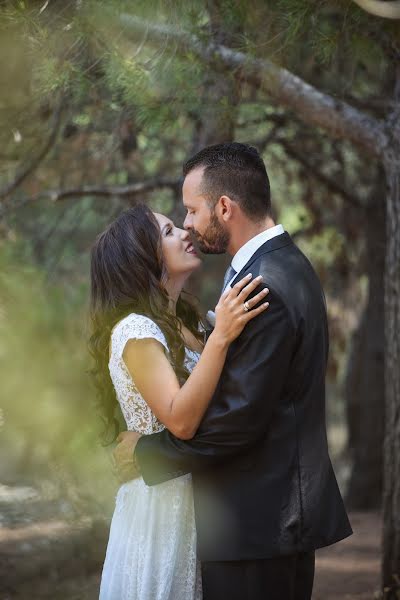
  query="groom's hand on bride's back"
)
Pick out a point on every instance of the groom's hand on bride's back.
point(125, 467)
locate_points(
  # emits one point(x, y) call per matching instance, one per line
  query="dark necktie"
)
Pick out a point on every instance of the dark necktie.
point(230, 273)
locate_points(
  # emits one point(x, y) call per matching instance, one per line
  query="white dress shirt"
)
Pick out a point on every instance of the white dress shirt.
point(244, 254)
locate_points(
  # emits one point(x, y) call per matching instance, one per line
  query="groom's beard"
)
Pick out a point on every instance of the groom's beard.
point(215, 239)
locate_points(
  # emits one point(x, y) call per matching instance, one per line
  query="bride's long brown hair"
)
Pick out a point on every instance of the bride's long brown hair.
point(127, 274)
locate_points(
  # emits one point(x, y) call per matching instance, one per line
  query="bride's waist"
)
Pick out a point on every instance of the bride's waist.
point(139, 484)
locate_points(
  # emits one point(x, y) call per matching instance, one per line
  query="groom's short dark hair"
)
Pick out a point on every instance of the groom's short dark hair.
point(235, 170)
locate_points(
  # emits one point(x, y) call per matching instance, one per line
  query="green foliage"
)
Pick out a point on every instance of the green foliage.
point(294, 16)
point(325, 248)
point(325, 41)
point(156, 87)
point(48, 413)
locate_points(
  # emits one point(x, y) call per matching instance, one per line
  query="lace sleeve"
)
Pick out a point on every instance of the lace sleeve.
point(137, 413)
point(137, 327)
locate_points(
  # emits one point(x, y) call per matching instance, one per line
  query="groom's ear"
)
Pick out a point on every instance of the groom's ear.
point(224, 208)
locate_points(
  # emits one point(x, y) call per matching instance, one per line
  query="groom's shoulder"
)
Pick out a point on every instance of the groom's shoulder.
point(282, 259)
point(288, 258)
point(288, 272)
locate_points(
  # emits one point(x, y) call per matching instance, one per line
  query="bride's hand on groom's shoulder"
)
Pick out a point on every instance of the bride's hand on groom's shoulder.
point(125, 467)
point(236, 307)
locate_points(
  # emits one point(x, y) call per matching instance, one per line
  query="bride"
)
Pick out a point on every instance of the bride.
point(148, 346)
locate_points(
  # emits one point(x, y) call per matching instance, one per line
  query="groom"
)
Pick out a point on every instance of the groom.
point(264, 490)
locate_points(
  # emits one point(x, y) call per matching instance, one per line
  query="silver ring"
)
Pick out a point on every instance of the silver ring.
point(246, 306)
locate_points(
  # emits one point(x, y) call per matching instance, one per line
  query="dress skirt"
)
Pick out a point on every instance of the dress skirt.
point(151, 552)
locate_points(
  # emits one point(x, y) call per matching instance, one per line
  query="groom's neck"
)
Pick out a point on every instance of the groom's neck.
point(244, 230)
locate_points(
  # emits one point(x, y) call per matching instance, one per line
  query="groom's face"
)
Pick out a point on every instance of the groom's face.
point(201, 219)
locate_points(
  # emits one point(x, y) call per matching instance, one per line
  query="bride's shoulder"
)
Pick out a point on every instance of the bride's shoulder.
point(137, 326)
point(132, 318)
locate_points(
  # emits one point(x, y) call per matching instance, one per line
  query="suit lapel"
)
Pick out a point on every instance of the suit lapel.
point(279, 241)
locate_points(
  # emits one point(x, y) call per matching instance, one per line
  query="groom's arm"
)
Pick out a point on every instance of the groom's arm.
point(250, 387)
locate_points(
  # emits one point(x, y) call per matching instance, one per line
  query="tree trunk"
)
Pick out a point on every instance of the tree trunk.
point(391, 497)
point(364, 387)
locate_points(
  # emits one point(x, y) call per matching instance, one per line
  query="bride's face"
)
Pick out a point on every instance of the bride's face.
point(179, 254)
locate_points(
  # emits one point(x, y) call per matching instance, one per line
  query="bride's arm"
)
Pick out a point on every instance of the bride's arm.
point(181, 409)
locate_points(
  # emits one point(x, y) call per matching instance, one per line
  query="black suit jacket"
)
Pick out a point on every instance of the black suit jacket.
point(263, 480)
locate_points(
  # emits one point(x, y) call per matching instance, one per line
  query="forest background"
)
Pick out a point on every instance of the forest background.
point(100, 104)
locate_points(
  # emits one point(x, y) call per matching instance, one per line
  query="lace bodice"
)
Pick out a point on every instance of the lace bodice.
point(137, 413)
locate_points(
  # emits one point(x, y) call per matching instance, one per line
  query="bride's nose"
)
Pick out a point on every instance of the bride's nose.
point(184, 235)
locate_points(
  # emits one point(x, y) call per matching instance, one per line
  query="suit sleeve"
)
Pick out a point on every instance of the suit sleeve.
point(241, 409)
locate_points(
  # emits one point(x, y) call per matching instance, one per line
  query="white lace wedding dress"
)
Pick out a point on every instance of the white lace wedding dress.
point(151, 552)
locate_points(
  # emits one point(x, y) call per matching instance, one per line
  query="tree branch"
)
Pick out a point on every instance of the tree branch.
point(122, 191)
point(24, 173)
point(387, 10)
point(337, 118)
